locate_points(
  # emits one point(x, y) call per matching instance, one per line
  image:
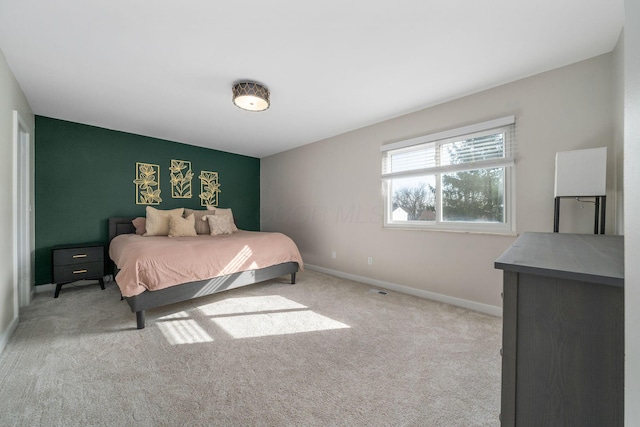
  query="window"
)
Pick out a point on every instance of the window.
point(455, 180)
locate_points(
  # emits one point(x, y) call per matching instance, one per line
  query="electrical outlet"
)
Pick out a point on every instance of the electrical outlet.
point(333, 254)
point(370, 260)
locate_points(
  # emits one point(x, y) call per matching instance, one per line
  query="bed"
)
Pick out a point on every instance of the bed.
point(141, 297)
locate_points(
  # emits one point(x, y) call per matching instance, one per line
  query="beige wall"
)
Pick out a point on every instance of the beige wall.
point(327, 195)
point(11, 98)
point(631, 209)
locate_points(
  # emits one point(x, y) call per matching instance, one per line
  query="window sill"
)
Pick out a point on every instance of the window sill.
point(506, 233)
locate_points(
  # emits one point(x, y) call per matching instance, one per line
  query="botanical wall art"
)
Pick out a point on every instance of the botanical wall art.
point(181, 176)
point(209, 188)
point(147, 184)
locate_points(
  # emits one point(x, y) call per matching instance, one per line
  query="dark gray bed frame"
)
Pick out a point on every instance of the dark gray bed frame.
point(191, 290)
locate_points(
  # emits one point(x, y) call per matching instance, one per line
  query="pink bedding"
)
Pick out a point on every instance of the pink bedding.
point(157, 262)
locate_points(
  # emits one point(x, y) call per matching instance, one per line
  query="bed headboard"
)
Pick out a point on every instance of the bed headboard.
point(119, 226)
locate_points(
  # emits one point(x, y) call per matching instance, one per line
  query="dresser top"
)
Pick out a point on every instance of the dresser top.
point(78, 245)
point(595, 258)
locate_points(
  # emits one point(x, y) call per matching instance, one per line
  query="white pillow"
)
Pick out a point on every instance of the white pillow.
point(219, 224)
point(182, 227)
point(227, 212)
point(158, 220)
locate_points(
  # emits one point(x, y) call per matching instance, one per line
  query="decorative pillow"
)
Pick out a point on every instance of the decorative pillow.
point(202, 225)
point(158, 221)
point(219, 224)
point(182, 227)
point(139, 223)
point(227, 212)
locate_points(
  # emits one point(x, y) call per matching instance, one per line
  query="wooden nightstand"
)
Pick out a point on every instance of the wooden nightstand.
point(71, 263)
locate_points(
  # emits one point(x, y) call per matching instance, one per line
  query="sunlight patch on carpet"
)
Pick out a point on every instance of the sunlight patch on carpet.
point(269, 324)
point(249, 305)
point(250, 317)
point(178, 330)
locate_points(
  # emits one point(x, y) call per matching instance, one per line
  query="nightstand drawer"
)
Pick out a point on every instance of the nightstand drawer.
point(71, 273)
point(78, 255)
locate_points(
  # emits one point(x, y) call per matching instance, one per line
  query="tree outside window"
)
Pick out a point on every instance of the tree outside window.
point(451, 182)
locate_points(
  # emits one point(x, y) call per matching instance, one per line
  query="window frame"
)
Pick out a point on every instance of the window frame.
point(504, 125)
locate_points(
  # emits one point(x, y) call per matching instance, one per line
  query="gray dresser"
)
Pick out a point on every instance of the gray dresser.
point(563, 331)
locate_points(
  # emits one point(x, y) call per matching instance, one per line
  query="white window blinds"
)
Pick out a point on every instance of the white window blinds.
point(483, 145)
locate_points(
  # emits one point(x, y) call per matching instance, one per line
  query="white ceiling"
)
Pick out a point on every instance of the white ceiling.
point(165, 68)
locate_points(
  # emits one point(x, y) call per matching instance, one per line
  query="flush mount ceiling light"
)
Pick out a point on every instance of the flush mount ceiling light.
point(251, 96)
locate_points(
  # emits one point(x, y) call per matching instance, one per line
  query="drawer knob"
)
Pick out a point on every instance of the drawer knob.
point(80, 256)
point(79, 271)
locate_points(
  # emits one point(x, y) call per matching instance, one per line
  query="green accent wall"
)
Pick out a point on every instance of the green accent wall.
point(84, 175)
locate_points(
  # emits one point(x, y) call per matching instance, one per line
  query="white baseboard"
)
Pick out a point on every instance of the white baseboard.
point(4, 338)
point(471, 305)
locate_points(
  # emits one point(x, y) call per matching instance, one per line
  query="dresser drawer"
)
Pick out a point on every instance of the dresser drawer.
point(71, 273)
point(78, 255)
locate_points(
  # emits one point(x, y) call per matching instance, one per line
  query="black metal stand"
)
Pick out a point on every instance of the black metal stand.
point(599, 220)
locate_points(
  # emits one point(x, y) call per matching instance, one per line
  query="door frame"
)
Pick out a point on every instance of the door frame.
point(22, 214)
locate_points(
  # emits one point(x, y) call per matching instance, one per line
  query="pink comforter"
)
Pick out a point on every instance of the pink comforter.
point(157, 262)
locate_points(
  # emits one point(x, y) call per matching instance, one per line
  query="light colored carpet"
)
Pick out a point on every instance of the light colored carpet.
point(323, 352)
